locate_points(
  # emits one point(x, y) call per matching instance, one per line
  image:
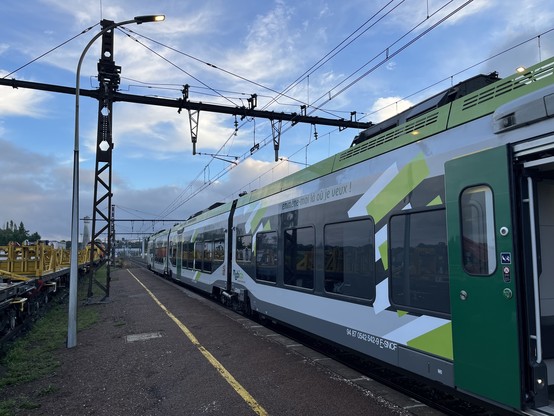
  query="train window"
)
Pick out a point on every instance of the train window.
point(419, 261)
point(348, 263)
point(478, 242)
point(266, 256)
point(219, 253)
point(198, 254)
point(208, 256)
point(188, 255)
point(173, 253)
point(244, 249)
point(159, 252)
point(299, 257)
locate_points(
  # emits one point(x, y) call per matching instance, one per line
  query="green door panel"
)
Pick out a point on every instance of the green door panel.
point(482, 278)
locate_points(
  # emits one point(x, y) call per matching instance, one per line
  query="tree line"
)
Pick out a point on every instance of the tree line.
point(14, 233)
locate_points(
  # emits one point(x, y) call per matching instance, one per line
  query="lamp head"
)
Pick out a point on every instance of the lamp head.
point(149, 18)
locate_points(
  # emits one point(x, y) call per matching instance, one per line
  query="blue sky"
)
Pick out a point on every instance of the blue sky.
point(258, 47)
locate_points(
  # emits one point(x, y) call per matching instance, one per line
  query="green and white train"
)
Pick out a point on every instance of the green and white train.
point(424, 245)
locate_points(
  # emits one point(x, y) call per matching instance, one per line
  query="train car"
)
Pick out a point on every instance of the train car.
point(198, 250)
point(30, 274)
point(158, 247)
point(424, 245)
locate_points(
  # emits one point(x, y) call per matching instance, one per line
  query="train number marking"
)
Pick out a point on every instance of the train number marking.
point(372, 339)
point(506, 258)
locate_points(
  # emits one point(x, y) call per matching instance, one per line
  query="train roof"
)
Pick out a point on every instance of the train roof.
point(438, 100)
point(453, 107)
point(212, 211)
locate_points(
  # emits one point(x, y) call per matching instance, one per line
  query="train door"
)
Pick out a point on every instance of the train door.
point(484, 302)
point(536, 182)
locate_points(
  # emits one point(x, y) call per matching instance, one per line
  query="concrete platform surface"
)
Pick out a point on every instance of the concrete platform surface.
point(160, 349)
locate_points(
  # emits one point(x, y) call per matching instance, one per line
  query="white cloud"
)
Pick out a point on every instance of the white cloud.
point(386, 107)
point(253, 174)
point(409, 14)
point(161, 132)
point(249, 175)
point(269, 49)
point(31, 184)
point(23, 102)
point(82, 12)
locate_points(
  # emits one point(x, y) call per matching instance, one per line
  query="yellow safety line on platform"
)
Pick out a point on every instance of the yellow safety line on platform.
point(254, 405)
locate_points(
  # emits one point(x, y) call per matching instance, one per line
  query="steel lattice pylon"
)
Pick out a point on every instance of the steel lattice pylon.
point(108, 78)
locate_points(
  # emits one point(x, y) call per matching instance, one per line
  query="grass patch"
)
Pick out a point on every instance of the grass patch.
point(45, 391)
point(10, 407)
point(33, 357)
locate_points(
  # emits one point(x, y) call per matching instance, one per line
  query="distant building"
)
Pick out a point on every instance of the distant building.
point(86, 232)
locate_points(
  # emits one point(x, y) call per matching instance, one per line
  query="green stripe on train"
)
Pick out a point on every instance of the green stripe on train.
point(405, 182)
point(436, 201)
point(257, 219)
point(437, 341)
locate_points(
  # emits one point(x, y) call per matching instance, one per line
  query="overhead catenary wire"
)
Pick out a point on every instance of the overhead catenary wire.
point(353, 74)
point(326, 58)
point(480, 62)
point(340, 47)
point(312, 69)
point(218, 92)
point(50, 51)
point(266, 141)
point(217, 176)
point(387, 51)
point(414, 94)
point(456, 74)
point(300, 102)
point(126, 30)
point(84, 32)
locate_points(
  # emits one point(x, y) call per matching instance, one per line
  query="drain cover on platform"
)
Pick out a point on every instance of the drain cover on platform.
point(143, 337)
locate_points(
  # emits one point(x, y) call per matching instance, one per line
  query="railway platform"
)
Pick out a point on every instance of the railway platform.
point(160, 349)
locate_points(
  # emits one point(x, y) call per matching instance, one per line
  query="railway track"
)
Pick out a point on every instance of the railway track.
point(24, 323)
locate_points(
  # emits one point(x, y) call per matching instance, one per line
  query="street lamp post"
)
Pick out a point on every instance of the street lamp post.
point(74, 267)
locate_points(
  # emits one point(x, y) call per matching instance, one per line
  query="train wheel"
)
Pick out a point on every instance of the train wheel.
point(12, 321)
